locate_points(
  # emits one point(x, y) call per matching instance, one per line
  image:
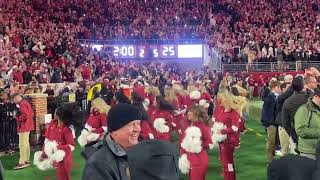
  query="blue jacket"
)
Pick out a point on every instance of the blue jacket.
point(269, 114)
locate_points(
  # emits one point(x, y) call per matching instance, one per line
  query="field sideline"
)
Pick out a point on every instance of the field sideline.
point(250, 158)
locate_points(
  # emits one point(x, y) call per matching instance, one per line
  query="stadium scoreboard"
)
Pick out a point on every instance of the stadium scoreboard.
point(185, 51)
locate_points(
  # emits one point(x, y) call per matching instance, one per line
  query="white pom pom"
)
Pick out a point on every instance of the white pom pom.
point(160, 125)
point(93, 137)
point(211, 146)
point(217, 137)
point(42, 165)
point(82, 139)
point(58, 156)
point(50, 147)
point(194, 95)
point(192, 140)
point(184, 164)
point(37, 157)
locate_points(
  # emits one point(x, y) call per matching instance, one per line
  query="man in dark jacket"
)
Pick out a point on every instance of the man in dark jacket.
point(287, 91)
point(159, 161)
point(291, 106)
point(268, 117)
point(107, 160)
point(295, 167)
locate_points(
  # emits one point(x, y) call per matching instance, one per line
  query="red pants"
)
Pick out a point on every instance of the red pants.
point(227, 160)
point(198, 165)
point(63, 170)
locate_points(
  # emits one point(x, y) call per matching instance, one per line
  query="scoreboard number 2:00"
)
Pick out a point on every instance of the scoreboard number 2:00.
point(124, 51)
point(131, 51)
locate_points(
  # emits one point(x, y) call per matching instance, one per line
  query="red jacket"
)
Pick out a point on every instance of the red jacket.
point(169, 122)
point(25, 117)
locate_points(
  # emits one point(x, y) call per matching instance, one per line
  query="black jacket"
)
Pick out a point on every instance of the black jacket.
point(154, 160)
point(106, 160)
point(295, 167)
point(268, 114)
point(280, 101)
point(289, 109)
point(291, 167)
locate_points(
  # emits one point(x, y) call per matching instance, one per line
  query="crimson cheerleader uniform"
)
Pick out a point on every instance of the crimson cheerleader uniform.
point(146, 132)
point(63, 136)
point(227, 147)
point(95, 128)
point(163, 125)
point(195, 151)
point(97, 122)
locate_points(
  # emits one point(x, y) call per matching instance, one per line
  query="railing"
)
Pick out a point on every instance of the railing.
point(8, 127)
point(142, 41)
point(270, 67)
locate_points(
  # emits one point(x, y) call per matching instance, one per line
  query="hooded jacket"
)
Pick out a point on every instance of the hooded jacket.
point(307, 126)
point(106, 160)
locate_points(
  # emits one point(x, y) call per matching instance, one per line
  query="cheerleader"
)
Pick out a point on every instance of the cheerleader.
point(96, 125)
point(162, 120)
point(226, 131)
point(196, 140)
point(151, 93)
point(171, 97)
point(205, 99)
point(59, 142)
point(137, 101)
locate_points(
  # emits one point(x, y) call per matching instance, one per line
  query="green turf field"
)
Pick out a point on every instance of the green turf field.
point(250, 158)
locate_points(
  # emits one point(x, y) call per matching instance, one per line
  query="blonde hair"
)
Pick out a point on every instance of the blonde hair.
point(170, 95)
point(100, 105)
point(178, 89)
point(237, 103)
point(229, 100)
point(191, 87)
point(152, 90)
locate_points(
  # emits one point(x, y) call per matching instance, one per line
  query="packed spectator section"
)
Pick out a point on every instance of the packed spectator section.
point(39, 39)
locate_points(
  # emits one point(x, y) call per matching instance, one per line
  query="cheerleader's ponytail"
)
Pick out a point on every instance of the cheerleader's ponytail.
point(70, 114)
